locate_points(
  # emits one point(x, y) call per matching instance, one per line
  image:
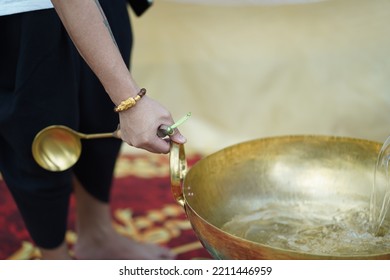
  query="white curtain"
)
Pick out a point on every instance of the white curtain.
point(244, 2)
point(253, 71)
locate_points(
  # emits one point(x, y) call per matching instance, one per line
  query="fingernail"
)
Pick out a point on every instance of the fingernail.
point(180, 138)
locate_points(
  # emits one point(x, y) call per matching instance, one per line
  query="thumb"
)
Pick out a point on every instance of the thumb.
point(178, 137)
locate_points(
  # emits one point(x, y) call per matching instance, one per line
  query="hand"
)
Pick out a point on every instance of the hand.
point(140, 123)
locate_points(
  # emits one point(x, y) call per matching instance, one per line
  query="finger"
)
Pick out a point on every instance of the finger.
point(160, 146)
point(117, 134)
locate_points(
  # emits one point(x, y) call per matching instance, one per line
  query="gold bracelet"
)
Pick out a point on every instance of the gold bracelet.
point(130, 102)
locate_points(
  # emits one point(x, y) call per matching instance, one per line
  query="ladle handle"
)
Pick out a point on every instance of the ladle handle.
point(115, 134)
point(178, 170)
point(162, 132)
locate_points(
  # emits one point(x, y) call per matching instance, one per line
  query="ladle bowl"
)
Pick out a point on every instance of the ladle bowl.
point(58, 147)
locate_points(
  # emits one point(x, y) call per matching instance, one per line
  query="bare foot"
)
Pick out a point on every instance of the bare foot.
point(98, 240)
point(59, 253)
point(118, 247)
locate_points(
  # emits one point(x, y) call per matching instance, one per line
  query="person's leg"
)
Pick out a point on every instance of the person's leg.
point(36, 81)
point(98, 240)
point(94, 171)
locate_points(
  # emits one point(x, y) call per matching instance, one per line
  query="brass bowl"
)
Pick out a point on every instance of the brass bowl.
point(291, 169)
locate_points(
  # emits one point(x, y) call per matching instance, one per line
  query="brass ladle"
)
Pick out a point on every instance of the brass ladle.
point(58, 147)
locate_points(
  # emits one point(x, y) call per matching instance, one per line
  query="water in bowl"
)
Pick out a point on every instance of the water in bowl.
point(311, 227)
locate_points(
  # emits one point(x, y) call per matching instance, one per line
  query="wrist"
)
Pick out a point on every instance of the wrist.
point(129, 102)
point(120, 88)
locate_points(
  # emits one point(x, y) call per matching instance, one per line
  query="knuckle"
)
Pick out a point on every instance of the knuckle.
point(142, 142)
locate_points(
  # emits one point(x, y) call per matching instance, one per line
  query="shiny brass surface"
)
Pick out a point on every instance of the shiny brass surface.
point(178, 170)
point(291, 168)
point(57, 147)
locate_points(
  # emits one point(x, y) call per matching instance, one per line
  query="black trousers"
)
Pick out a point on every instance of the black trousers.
point(44, 81)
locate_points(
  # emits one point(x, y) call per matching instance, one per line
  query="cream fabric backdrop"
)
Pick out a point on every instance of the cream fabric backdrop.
point(251, 71)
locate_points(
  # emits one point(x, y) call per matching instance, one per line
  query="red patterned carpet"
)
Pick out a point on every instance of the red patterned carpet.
point(143, 208)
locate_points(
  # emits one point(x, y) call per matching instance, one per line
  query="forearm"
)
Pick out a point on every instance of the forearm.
point(86, 25)
point(89, 30)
